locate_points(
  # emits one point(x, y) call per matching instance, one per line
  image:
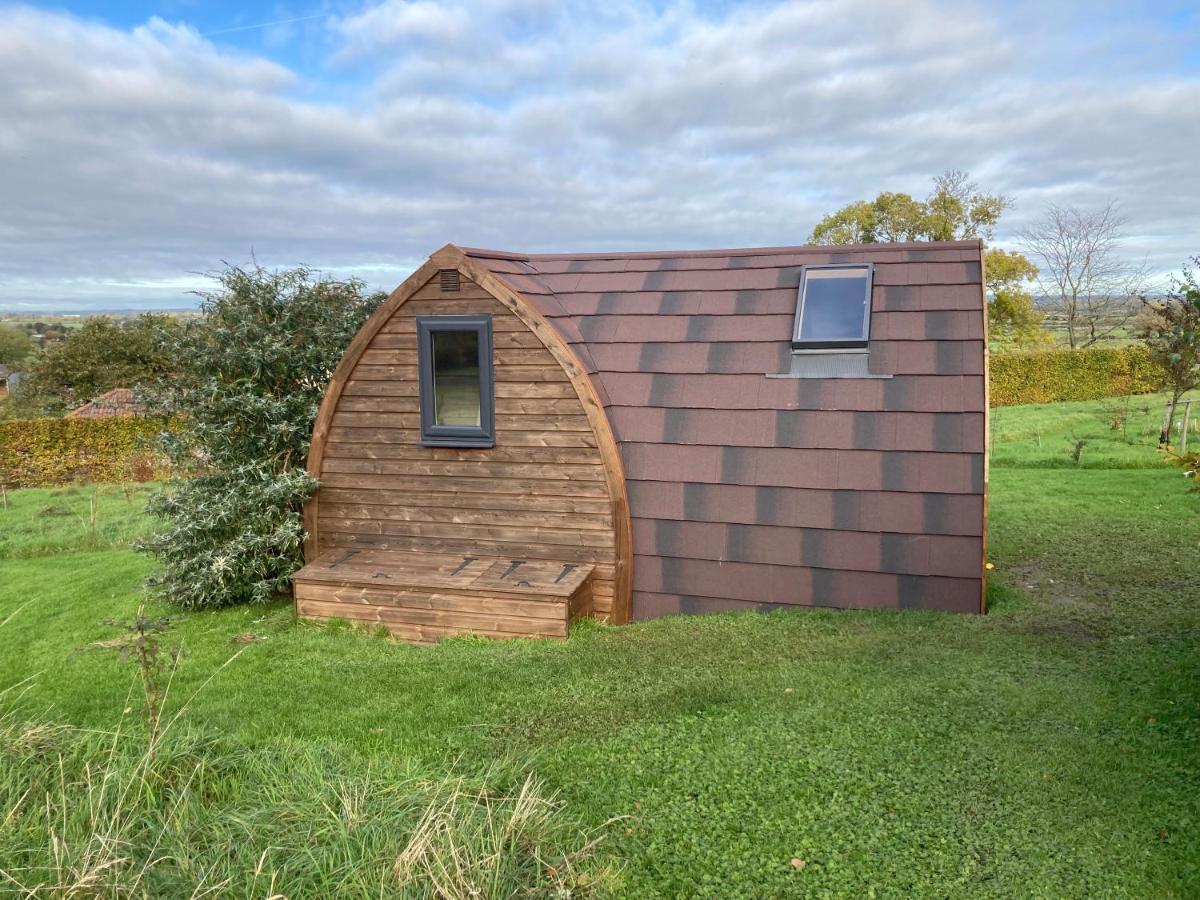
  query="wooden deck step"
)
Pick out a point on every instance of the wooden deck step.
point(424, 597)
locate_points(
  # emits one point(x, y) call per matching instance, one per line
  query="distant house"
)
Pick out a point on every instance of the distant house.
point(117, 402)
point(513, 441)
point(9, 379)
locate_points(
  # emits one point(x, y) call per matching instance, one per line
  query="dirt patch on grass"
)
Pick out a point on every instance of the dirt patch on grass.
point(1048, 591)
point(1057, 605)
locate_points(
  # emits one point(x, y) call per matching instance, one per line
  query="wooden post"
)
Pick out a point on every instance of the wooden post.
point(1164, 436)
point(1187, 414)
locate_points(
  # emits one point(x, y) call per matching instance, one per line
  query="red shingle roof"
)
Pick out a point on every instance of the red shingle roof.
point(755, 491)
point(117, 402)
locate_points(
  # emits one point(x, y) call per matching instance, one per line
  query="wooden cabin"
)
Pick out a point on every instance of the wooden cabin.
point(514, 441)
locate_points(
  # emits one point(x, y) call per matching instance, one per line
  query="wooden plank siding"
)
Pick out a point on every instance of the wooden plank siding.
point(423, 596)
point(541, 493)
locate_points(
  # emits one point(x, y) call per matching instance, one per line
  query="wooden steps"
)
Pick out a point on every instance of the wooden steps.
point(423, 597)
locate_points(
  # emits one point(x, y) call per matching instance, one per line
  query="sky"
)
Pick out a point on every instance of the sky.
point(143, 145)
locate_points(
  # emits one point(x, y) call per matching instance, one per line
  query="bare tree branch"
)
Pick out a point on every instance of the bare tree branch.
point(1089, 284)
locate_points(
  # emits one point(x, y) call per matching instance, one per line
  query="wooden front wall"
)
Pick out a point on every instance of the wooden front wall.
point(540, 493)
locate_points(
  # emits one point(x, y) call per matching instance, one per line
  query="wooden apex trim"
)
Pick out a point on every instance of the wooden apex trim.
point(598, 417)
point(333, 391)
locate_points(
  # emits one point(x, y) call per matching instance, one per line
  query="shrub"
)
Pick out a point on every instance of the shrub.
point(1056, 375)
point(1171, 330)
point(232, 536)
point(251, 375)
point(15, 346)
point(49, 452)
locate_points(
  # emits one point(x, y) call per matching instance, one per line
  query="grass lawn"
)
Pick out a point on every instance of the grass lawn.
point(70, 519)
point(1051, 748)
point(1121, 433)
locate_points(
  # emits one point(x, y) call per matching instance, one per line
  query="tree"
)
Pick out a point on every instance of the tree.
point(886, 219)
point(1012, 317)
point(15, 346)
point(958, 211)
point(1089, 285)
point(251, 375)
point(852, 224)
point(100, 355)
point(954, 210)
point(1171, 329)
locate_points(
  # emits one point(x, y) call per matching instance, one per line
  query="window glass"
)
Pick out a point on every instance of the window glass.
point(458, 404)
point(456, 384)
point(834, 305)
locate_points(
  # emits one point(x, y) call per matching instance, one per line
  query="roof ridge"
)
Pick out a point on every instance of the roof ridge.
point(717, 252)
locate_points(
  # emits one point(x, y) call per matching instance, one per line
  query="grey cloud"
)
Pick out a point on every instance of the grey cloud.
point(130, 159)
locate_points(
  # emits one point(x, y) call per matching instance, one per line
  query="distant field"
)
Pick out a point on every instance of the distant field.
point(1123, 337)
point(67, 323)
point(74, 320)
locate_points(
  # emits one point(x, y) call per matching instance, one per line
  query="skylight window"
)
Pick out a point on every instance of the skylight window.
point(833, 307)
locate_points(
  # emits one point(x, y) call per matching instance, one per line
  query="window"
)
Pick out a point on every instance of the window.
point(833, 307)
point(457, 403)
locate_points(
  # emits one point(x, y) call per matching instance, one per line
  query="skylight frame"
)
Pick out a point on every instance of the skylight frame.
point(861, 343)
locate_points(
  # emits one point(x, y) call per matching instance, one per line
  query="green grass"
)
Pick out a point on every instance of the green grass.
point(58, 520)
point(1047, 749)
point(94, 814)
point(1120, 433)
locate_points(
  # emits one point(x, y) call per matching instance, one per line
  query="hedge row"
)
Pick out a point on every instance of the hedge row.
point(1055, 375)
point(47, 452)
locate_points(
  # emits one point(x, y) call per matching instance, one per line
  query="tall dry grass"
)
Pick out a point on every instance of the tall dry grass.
point(114, 813)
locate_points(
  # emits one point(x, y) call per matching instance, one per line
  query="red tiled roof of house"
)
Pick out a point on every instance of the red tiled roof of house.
point(754, 491)
point(117, 402)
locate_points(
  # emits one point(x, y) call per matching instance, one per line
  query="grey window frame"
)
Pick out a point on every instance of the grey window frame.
point(849, 344)
point(433, 434)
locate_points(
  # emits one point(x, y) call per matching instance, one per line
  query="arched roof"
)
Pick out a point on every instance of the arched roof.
point(874, 486)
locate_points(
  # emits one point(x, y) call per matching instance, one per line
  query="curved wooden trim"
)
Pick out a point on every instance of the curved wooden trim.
point(451, 257)
point(333, 391)
point(606, 441)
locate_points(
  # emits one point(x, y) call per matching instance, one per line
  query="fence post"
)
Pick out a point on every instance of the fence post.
point(1187, 414)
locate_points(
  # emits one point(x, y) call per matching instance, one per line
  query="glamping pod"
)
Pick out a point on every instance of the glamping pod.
point(515, 441)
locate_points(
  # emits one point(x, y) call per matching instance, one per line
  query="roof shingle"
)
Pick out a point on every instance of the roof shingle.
point(749, 491)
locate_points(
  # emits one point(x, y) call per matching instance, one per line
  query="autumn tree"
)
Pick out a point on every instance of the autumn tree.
point(1012, 317)
point(954, 210)
point(1171, 329)
point(1086, 280)
point(958, 211)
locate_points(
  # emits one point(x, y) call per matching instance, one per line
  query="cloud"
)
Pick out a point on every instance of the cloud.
point(395, 22)
point(131, 158)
